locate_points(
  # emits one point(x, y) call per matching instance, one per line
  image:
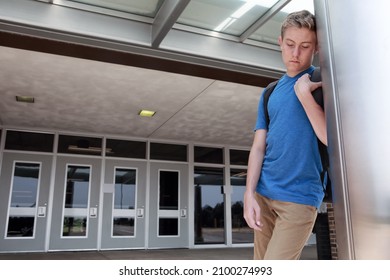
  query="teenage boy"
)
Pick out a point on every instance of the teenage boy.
point(284, 188)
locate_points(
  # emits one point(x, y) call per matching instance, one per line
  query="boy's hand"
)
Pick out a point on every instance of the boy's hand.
point(252, 211)
point(304, 87)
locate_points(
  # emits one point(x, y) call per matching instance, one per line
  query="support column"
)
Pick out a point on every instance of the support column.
point(354, 59)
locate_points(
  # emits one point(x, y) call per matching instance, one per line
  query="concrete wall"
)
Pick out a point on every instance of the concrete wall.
point(354, 57)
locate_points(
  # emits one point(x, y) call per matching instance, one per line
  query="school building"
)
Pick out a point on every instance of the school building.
point(128, 124)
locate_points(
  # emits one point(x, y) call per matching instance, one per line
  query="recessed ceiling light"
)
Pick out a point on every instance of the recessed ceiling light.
point(26, 99)
point(146, 113)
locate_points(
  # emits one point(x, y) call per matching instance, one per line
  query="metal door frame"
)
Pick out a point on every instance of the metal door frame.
point(181, 240)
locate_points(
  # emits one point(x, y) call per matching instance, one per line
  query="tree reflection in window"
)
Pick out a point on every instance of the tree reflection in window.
point(241, 233)
point(77, 187)
point(209, 205)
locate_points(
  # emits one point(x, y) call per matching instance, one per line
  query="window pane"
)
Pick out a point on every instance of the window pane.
point(124, 196)
point(241, 233)
point(25, 185)
point(126, 149)
point(239, 157)
point(20, 227)
point(172, 152)
point(75, 226)
point(228, 16)
point(270, 31)
point(168, 227)
point(80, 145)
point(208, 155)
point(77, 187)
point(209, 206)
point(169, 190)
point(123, 226)
point(144, 7)
point(29, 141)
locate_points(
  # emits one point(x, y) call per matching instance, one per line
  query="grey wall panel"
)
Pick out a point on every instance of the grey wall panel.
point(354, 56)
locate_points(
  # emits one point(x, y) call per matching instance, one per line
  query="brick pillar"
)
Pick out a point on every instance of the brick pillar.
point(332, 230)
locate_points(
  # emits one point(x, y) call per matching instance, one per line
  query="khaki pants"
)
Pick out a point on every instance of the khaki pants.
point(286, 228)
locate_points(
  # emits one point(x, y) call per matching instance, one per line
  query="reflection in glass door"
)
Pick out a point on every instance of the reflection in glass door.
point(168, 206)
point(209, 206)
point(123, 218)
point(76, 204)
point(241, 232)
point(23, 200)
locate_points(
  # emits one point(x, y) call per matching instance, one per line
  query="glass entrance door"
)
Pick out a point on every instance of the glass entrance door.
point(168, 219)
point(124, 205)
point(209, 201)
point(76, 196)
point(24, 199)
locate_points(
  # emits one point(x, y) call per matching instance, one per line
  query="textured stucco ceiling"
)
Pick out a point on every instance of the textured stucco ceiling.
point(91, 97)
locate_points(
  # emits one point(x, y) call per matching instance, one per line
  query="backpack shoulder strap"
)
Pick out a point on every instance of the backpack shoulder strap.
point(317, 94)
point(267, 93)
point(316, 75)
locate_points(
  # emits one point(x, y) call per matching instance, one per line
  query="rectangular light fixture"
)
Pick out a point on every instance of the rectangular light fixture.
point(26, 99)
point(146, 113)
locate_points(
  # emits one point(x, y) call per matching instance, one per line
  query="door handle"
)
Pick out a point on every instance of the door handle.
point(93, 212)
point(140, 213)
point(183, 213)
point(42, 211)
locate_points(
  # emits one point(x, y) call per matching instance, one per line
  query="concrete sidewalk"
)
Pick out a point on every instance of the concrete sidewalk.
point(309, 253)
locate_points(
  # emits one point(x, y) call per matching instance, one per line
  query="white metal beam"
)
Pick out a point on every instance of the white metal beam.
point(166, 18)
point(54, 22)
point(266, 17)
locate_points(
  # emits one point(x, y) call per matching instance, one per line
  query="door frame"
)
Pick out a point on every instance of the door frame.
point(37, 242)
point(107, 240)
point(181, 240)
point(90, 240)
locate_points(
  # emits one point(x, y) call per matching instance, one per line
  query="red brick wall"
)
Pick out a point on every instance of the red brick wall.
point(332, 230)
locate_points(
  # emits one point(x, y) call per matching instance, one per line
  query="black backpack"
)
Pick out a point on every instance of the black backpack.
point(317, 94)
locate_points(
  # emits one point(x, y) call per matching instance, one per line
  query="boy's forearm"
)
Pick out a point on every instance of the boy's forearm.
point(255, 163)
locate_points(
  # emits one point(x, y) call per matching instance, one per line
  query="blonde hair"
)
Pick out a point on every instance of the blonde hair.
point(300, 19)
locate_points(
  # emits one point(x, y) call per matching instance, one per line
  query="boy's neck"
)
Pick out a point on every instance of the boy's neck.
point(293, 74)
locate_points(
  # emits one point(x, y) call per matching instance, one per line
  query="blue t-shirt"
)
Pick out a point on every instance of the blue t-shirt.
point(292, 164)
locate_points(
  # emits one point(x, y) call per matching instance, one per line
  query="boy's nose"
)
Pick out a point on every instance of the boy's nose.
point(296, 52)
